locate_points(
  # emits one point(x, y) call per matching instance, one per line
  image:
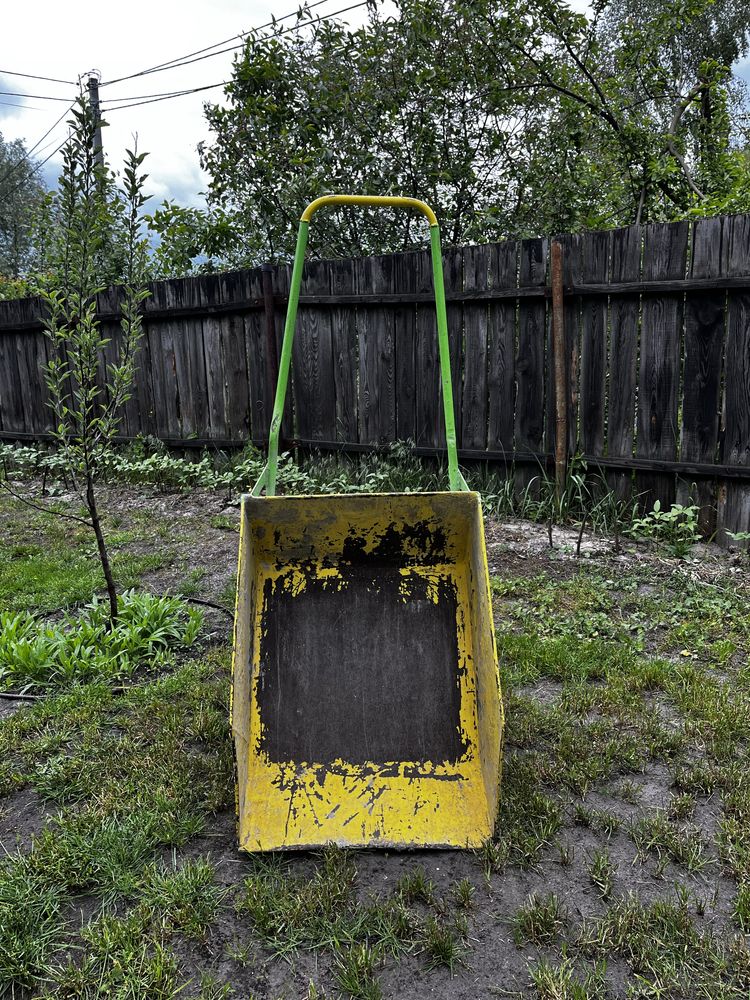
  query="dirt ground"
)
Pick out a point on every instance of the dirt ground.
point(199, 532)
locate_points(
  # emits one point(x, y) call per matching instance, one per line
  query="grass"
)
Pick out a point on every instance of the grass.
point(602, 873)
point(540, 920)
point(627, 697)
point(49, 563)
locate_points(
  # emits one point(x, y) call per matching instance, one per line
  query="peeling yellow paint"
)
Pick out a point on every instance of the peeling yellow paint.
point(410, 803)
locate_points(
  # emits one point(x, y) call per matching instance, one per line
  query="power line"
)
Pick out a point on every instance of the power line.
point(164, 94)
point(187, 61)
point(34, 97)
point(155, 98)
point(242, 34)
point(166, 97)
point(33, 76)
point(24, 107)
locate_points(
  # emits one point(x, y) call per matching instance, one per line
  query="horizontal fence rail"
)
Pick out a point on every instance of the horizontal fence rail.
point(656, 368)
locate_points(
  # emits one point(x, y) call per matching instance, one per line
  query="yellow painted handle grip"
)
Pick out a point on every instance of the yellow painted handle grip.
point(376, 201)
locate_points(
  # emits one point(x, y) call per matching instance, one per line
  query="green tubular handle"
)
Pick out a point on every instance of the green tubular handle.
point(267, 479)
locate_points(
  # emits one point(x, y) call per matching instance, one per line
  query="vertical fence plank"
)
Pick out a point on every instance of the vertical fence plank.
point(238, 399)
point(255, 344)
point(572, 262)
point(345, 352)
point(313, 360)
point(406, 267)
point(377, 355)
point(734, 501)
point(474, 401)
point(595, 266)
point(166, 394)
point(428, 367)
point(501, 374)
point(454, 279)
point(623, 317)
point(704, 348)
point(217, 423)
point(141, 408)
point(281, 281)
point(529, 425)
point(664, 253)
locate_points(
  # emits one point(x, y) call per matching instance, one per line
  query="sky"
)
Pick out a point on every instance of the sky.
point(43, 38)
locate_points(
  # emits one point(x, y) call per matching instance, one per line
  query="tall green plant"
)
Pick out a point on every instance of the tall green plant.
point(86, 394)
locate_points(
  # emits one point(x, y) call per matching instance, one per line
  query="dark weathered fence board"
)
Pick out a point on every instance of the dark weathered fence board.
point(664, 252)
point(241, 422)
point(624, 314)
point(345, 353)
point(703, 351)
point(377, 356)
point(217, 408)
point(501, 372)
point(454, 280)
point(572, 275)
point(406, 268)
point(474, 399)
point(313, 361)
point(430, 428)
point(734, 503)
point(529, 425)
point(595, 249)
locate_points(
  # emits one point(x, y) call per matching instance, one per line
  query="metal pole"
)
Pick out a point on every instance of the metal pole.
point(93, 85)
point(561, 381)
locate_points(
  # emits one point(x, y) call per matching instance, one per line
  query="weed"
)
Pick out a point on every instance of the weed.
point(655, 834)
point(121, 960)
point(416, 887)
point(442, 944)
point(681, 806)
point(599, 820)
point(223, 523)
point(602, 873)
point(86, 647)
point(629, 791)
point(560, 982)
point(663, 946)
point(463, 894)
point(677, 527)
point(540, 919)
point(354, 972)
point(186, 899)
point(742, 907)
point(190, 586)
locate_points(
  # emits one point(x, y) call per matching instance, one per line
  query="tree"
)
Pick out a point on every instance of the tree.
point(21, 195)
point(85, 403)
point(513, 119)
point(396, 107)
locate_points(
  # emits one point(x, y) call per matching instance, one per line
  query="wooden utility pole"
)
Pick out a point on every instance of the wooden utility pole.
point(93, 85)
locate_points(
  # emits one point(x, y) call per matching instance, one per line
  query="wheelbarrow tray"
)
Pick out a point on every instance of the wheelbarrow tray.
point(366, 704)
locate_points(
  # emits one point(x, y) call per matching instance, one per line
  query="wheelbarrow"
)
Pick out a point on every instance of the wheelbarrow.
point(366, 705)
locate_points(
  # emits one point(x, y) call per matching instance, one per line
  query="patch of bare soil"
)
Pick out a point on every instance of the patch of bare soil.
point(22, 816)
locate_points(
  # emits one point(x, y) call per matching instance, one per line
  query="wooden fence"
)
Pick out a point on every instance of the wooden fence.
point(657, 334)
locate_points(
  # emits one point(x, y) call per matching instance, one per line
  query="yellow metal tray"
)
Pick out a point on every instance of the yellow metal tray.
point(366, 705)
